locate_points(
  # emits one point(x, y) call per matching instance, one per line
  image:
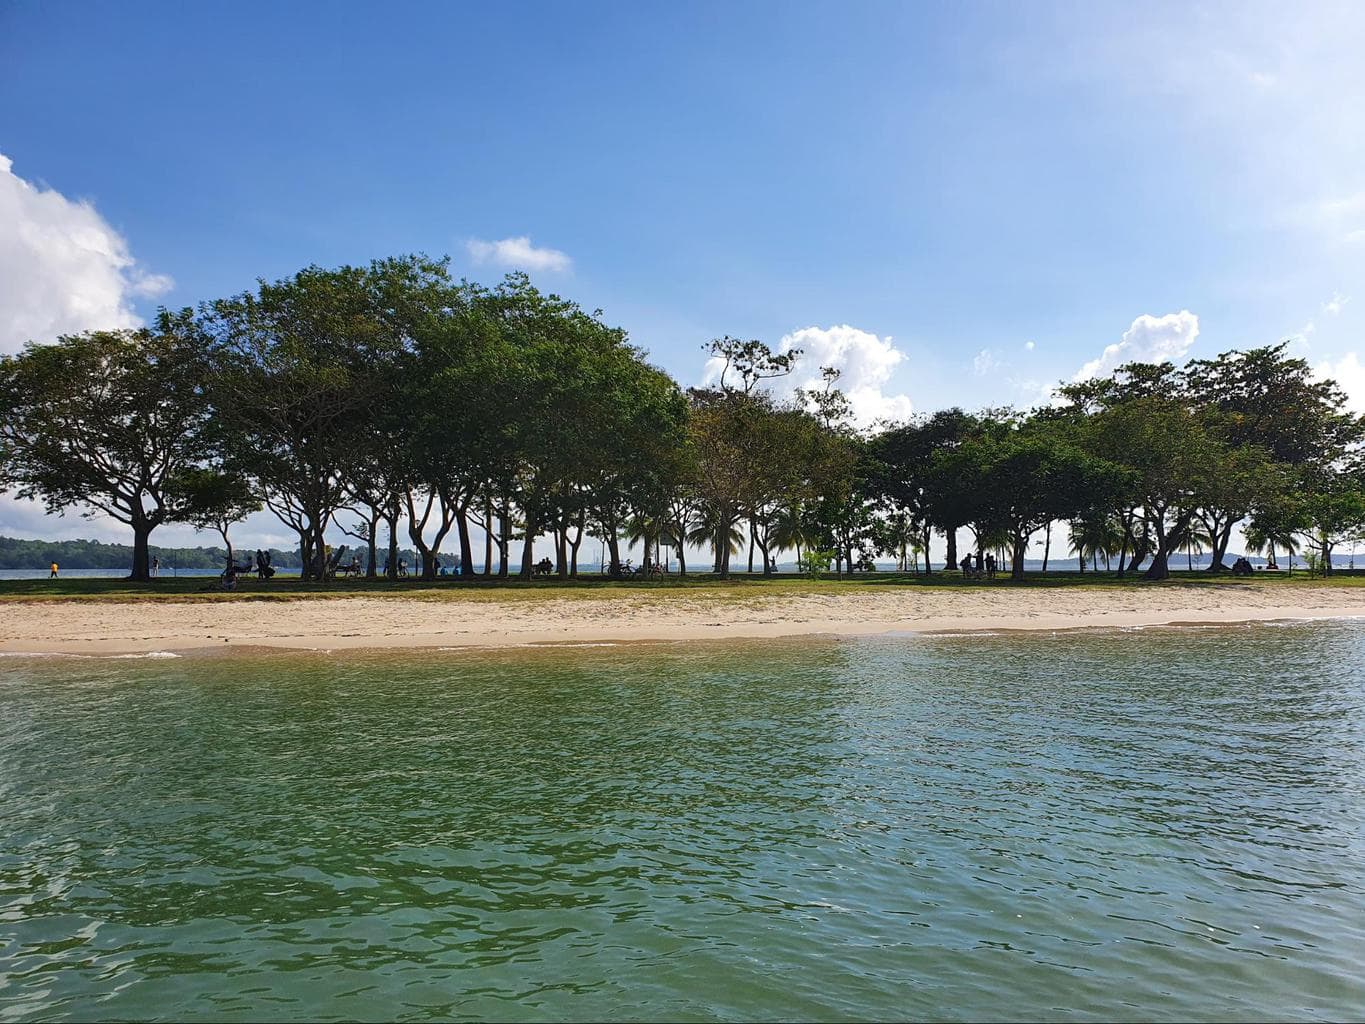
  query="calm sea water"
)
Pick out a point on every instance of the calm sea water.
point(1158, 824)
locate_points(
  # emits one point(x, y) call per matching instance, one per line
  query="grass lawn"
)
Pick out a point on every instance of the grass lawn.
point(739, 587)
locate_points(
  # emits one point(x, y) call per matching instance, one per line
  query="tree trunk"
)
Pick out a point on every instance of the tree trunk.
point(372, 546)
point(1047, 544)
point(1221, 538)
point(528, 548)
point(466, 549)
point(1017, 558)
point(1160, 567)
point(751, 547)
point(504, 536)
point(1141, 548)
point(320, 547)
point(614, 550)
point(561, 552)
point(487, 538)
point(142, 565)
point(1158, 570)
point(723, 548)
point(392, 518)
point(950, 535)
point(305, 554)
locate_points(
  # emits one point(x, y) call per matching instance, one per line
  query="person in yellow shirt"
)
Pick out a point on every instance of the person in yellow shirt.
point(54, 571)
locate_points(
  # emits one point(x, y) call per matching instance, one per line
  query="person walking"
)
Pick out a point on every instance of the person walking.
point(156, 567)
point(54, 571)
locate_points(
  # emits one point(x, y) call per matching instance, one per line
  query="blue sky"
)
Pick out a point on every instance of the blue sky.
point(920, 190)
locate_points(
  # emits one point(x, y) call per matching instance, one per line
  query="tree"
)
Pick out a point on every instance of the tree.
point(1025, 477)
point(105, 421)
point(216, 500)
point(1271, 411)
point(751, 361)
point(902, 470)
point(298, 367)
point(1329, 509)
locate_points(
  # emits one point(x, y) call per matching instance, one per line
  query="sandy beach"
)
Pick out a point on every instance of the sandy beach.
point(131, 627)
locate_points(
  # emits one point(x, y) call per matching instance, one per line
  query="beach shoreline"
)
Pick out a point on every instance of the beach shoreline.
point(112, 627)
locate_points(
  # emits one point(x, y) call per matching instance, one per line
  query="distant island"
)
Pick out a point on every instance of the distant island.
point(16, 553)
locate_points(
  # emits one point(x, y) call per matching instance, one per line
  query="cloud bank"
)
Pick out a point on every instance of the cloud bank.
point(518, 253)
point(63, 268)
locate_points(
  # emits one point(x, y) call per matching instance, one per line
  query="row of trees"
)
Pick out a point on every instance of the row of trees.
point(391, 398)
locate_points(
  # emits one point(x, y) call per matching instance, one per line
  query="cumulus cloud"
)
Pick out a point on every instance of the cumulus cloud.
point(517, 252)
point(63, 268)
point(1349, 372)
point(1029, 346)
point(1334, 305)
point(1150, 339)
point(864, 360)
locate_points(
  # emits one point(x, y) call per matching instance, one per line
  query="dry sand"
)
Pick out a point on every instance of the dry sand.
point(109, 627)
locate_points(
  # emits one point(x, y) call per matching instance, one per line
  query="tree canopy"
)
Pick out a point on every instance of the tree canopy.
point(392, 398)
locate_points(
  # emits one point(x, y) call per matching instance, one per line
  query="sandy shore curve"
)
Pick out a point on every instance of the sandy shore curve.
point(133, 627)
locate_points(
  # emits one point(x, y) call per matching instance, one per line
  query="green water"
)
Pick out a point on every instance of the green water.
point(1164, 824)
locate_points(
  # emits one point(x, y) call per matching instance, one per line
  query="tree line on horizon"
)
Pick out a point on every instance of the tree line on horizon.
point(392, 398)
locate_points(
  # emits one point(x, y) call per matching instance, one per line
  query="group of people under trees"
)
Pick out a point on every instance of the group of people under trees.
point(260, 565)
point(397, 405)
point(982, 568)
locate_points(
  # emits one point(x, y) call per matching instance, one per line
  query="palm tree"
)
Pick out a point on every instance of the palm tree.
point(1093, 538)
point(1194, 538)
point(789, 529)
point(703, 532)
point(643, 529)
point(1259, 539)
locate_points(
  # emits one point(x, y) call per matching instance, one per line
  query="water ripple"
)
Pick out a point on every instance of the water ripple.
point(1161, 826)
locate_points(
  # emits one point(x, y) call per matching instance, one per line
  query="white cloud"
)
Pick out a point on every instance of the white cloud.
point(1349, 372)
point(1029, 346)
point(864, 360)
point(1335, 304)
point(63, 268)
point(1150, 339)
point(984, 362)
point(518, 252)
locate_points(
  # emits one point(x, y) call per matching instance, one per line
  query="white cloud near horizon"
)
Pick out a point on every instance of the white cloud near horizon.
point(1149, 339)
point(518, 253)
point(865, 362)
point(63, 268)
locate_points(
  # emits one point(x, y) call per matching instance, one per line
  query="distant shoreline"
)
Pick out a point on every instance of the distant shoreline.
point(113, 626)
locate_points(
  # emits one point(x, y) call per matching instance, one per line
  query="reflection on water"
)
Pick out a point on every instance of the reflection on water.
point(1164, 824)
